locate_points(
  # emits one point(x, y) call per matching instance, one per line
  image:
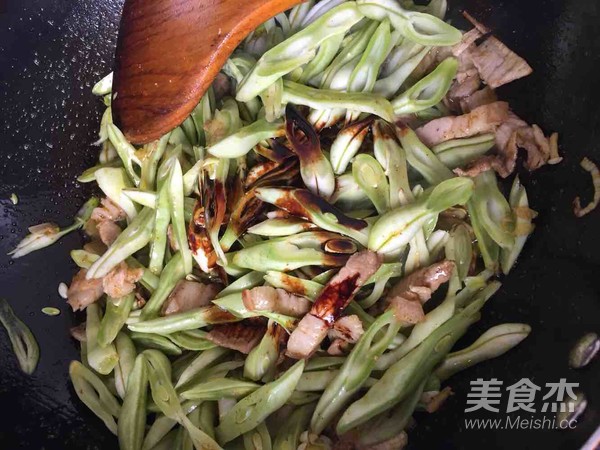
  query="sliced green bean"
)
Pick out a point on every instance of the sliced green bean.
point(258, 438)
point(135, 237)
point(173, 272)
point(188, 320)
point(406, 375)
point(494, 342)
point(102, 359)
point(127, 354)
point(256, 407)
point(369, 175)
point(176, 207)
point(23, 342)
point(158, 242)
point(261, 362)
point(297, 50)
point(458, 152)
point(95, 395)
point(132, 419)
point(156, 341)
point(288, 436)
point(191, 340)
point(218, 388)
point(200, 363)
point(116, 313)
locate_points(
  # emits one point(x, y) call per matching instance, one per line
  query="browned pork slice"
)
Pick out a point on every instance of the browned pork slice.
point(267, 298)
point(497, 64)
point(121, 280)
point(108, 211)
point(331, 302)
point(483, 119)
point(108, 232)
point(83, 292)
point(189, 295)
point(412, 291)
point(241, 336)
point(478, 98)
point(346, 330)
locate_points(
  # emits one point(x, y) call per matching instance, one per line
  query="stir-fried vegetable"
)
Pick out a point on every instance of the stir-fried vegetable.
point(329, 181)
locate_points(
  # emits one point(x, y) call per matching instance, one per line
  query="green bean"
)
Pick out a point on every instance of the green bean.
point(408, 56)
point(298, 13)
point(170, 276)
point(126, 152)
point(348, 195)
point(347, 143)
point(234, 304)
point(142, 197)
point(127, 354)
point(164, 395)
point(158, 242)
point(169, 441)
point(153, 152)
point(200, 363)
point(355, 370)
point(218, 388)
point(112, 181)
point(242, 141)
point(222, 369)
point(494, 342)
point(324, 362)
point(280, 227)
point(493, 210)
point(327, 99)
point(303, 398)
point(396, 228)
point(208, 415)
point(190, 178)
point(156, 341)
point(458, 152)
point(324, 277)
point(288, 436)
point(281, 256)
point(459, 249)
point(419, 27)
point(428, 91)
point(104, 86)
point(135, 237)
point(519, 204)
point(256, 407)
point(116, 313)
point(257, 438)
point(191, 340)
point(176, 207)
point(297, 50)
point(89, 175)
point(294, 285)
point(23, 342)
point(248, 281)
point(406, 375)
point(261, 362)
point(369, 175)
point(46, 234)
point(94, 394)
point(365, 72)
point(102, 359)
point(433, 320)
point(389, 423)
point(188, 320)
point(132, 418)
point(157, 431)
point(380, 279)
point(325, 55)
point(303, 203)
point(148, 280)
point(392, 158)
point(422, 159)
point(202, 113)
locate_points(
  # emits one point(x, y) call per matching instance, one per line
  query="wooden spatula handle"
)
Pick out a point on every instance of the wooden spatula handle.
point(168, 53)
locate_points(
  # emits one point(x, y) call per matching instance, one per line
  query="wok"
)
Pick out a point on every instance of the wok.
point(52, 51)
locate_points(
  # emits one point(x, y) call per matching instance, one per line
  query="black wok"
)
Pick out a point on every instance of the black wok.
point(51, 52)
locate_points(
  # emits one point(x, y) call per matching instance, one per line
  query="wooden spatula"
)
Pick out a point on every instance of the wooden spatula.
point(168, 53)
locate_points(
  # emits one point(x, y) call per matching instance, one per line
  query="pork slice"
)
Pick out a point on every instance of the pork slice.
point(189, 295)
point(266, 298)
point(483, 119)
point(478, 98)
point(346, 330)
point(241, 336)
point(108, 211)
point(497, 64)
point(121, 280)
point(108, 231)
point(331, 302)
point(83, 292)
